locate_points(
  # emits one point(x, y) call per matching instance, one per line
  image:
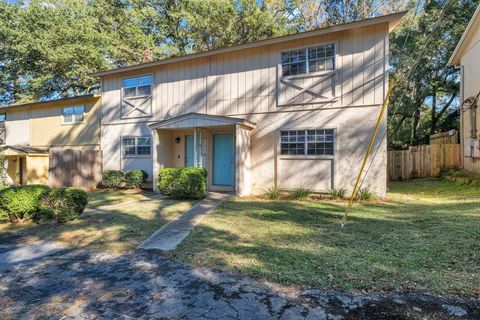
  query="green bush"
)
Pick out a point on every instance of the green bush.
point(113, 178)
point(301, 193)
point(182, 183)
point(338, 193)
point(135, 178)
point(63, 204)
point(22, 202)
point(365, 194)
point(272, 193)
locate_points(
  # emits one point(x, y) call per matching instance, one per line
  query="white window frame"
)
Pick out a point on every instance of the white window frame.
point(74, 119)
point(136, 146)
point(137, 86)
point(307, 67)
point(305, 155)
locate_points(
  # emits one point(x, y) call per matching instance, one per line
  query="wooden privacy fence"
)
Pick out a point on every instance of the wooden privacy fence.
point(450, 137)
point(422, 161)
point(74, 168)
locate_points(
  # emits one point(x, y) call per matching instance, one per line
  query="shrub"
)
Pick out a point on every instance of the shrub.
point(183, 183)
point(22, 202)
point(301, 193)
point(63, 204)
point(338, 193)
point(272, 193)
point(112, 178)
point(135, 178)
point(364, 194)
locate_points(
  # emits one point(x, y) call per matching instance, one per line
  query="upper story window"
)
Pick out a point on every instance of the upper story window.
point(3, 117)
point(307, 142)
point(137, 86)
point(308, 60)
point(73, 114)
point(136, 146)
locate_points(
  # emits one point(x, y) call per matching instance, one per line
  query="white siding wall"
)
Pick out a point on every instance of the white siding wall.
point(471, 87)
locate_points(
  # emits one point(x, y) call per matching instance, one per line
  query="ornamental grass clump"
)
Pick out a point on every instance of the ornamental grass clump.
point(272, 193)
point(301, 193)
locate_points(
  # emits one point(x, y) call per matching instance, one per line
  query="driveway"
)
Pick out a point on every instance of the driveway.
point(81, 284)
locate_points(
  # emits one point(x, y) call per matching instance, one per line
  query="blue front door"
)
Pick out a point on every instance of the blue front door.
point(189, 154)
point(223, 159)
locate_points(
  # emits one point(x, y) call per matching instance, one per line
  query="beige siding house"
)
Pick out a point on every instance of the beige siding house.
point(466, 57)
point(292, 111)
point(28, 133)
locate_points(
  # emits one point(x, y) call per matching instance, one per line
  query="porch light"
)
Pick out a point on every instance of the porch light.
point(177, 140)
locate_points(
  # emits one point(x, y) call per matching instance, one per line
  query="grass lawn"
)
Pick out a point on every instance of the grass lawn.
point(425, 238)
point(117, 230)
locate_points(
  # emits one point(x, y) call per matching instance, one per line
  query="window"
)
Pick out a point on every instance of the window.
point(308, 60)
point(3, 117)
point(73, 114)
point(137, 87)
point(136, 146)
point(307, 142)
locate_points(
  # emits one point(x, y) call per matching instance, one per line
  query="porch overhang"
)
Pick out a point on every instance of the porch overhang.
point(23, 150)
point(199, 120)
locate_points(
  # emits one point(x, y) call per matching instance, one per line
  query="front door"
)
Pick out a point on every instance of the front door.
point(189, 151)
point(222, 159)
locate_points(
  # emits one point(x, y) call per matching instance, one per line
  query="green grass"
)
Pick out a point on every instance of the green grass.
point(103, 197)
point(425, 238)
point(117, 230)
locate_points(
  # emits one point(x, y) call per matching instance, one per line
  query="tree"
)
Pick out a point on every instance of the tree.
point(420, 49)
point(50, 47)
point(317, 14)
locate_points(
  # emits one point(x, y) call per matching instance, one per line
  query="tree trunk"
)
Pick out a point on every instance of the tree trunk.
point(433, 124)
point(415, 126)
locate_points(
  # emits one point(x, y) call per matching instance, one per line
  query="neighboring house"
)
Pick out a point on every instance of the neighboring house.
point(30, 132)
point(292, 111)
point(467, 57)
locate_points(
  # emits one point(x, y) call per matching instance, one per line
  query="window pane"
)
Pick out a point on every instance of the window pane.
point(143, 150)
point(78, 117)
point(143, 141)
point(128, 141)
point(68, 110)
point(78, 110)
point(145, 81)
point(129, 150)
point(131, 82)
point(68, 118)
point(145, 90)
point(2, 117)
point(129, 92)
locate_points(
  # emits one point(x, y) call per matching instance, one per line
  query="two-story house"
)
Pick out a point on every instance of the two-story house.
point(30, 133)
point(466, 58)
point(291, 111)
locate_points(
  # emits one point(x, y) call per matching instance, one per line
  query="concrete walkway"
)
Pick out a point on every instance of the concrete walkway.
point(169, 236)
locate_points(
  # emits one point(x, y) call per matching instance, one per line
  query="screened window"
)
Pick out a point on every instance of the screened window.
point(307, 142)
point(3, 117)
point(136, 146)
point(73, 114)
point(137, 87)
point(308, 60)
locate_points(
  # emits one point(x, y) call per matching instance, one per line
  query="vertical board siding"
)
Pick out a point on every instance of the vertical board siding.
point(248, 81)
point(17, 127)
point(74, 168)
